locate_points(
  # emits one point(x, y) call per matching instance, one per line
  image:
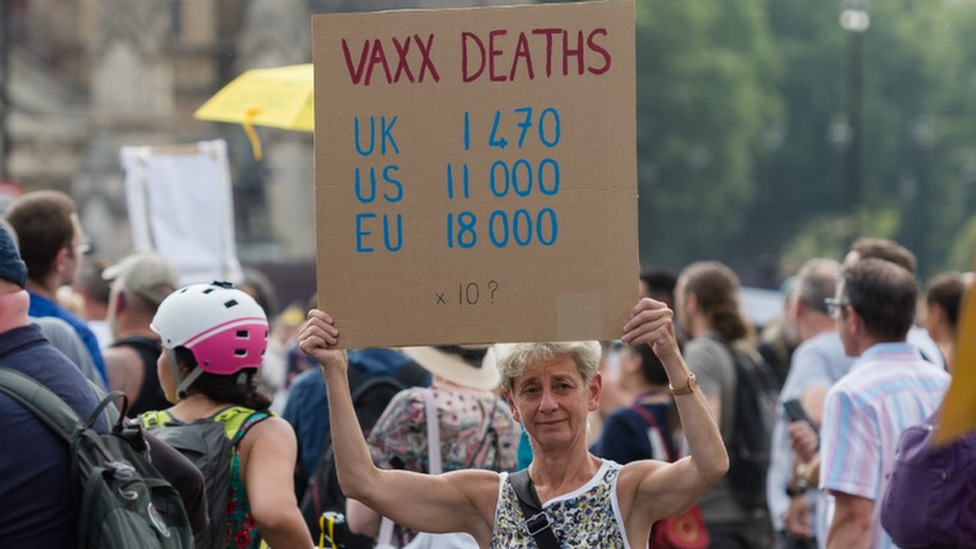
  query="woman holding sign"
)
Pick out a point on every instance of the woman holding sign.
point(551, 387)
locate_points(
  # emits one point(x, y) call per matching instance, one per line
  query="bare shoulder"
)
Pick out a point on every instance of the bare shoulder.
point(479, 486)
point(271, 433)
point(638, 476)
point(122, 356)
point(475, 480)
point(272, 427)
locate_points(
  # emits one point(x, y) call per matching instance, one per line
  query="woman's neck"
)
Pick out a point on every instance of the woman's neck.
point(196, 406)
point(555, 475)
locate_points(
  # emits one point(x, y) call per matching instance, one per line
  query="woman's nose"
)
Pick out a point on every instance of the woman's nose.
point(548, 402)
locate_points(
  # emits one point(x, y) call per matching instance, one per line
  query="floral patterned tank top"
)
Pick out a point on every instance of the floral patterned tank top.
point(587, 517)
point(242, 532)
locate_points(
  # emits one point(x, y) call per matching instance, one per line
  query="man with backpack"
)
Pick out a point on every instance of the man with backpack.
point(37, 507)
point(68, 479)
point(740, 391)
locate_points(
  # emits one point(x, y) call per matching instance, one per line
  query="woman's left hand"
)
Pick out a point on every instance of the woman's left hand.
point(651, 322)
point(318, 339)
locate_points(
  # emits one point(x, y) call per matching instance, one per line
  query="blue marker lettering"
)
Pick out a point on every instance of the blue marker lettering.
point(386, 232)
point(522, 214)
point(494, 189)
point(553, 227)
point(360, 232)
point(555, 177)
point(528, 177)
point(386, 134)
point(395, 183)
point(493, 140)
point(556, 129)
point(525, 124)
point(372, 186)
point(503, 217)
point(372, 136)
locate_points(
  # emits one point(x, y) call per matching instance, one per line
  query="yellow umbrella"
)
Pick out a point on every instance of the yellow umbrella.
point(280, 97)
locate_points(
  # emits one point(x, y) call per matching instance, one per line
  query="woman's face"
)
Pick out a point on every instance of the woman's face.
point(552, 402)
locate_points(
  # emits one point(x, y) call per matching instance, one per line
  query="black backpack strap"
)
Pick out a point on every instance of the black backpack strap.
point(536, 521)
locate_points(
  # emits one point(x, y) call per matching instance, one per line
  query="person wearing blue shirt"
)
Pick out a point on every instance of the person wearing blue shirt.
point(307, 408)
point(52, 244)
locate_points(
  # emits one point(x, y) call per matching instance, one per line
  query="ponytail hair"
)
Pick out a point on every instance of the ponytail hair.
point(716, 288)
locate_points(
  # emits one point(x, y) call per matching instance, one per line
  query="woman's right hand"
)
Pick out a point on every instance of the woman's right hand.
point(318, 339)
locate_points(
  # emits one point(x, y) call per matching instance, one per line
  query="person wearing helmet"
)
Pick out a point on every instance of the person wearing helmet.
point(213, 337)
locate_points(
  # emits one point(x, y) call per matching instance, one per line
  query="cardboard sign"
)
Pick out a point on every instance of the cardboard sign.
point(475, 174)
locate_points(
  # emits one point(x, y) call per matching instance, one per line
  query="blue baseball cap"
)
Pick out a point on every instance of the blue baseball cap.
point(12, 267)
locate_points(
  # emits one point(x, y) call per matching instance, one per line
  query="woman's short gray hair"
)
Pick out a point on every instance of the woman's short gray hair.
point(513, 358)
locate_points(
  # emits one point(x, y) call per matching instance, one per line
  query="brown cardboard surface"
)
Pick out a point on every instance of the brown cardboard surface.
point(435, 91)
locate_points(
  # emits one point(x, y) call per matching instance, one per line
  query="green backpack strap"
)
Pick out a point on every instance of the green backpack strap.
point(154, 418)
point(238, 420)
point(42, 402)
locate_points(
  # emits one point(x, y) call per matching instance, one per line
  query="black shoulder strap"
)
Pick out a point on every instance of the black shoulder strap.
point(142, 342)
point(536, 520)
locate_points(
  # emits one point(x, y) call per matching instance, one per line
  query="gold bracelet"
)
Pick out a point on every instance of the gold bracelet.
point(687, 389)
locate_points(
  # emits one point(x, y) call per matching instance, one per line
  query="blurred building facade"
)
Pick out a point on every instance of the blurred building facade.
point(86, 77)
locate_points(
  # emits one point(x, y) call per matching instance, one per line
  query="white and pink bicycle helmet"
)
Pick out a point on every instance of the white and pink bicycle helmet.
point(224, 328)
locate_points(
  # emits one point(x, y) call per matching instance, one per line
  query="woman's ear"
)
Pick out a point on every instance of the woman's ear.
point(595, 390)
point(511, 406)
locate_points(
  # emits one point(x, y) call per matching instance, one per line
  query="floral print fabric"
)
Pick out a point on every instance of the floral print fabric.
point(399, 438)
point(587, 517)
point(242, 532)
point(477, 432)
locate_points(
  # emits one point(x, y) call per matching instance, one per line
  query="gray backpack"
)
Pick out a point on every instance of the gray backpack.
point(211, 444)
point(124, 503)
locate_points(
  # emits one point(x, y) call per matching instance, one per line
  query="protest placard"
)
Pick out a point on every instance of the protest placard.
point(475, 173)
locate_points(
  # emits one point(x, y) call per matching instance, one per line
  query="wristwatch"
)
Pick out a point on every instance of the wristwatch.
point(687, 389)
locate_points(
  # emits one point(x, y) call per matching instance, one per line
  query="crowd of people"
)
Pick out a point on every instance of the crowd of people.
point(577, 444)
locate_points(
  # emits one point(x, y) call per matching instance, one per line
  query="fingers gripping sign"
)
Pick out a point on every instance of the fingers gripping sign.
point(651, 322)
point(318, 339)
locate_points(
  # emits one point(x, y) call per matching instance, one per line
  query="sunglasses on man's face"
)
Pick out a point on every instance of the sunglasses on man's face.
point(836, 307)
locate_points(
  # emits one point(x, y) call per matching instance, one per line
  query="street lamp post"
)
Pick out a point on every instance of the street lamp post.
point(855, 20)
point(922, 135)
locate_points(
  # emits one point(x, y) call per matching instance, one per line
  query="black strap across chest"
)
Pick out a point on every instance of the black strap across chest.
point(536, 521)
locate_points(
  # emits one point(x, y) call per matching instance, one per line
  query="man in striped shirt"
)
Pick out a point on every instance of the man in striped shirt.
point(889, 388)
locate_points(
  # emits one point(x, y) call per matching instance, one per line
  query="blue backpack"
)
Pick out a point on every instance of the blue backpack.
point(930, 501)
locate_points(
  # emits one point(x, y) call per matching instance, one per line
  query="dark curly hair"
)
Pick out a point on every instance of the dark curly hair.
point(225, 388)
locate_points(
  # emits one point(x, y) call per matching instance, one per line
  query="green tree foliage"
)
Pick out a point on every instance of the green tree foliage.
point(740, 104)
point(705, 98)
point(919, 142)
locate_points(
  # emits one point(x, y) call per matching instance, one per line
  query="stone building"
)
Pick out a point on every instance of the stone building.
point(86, 77)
